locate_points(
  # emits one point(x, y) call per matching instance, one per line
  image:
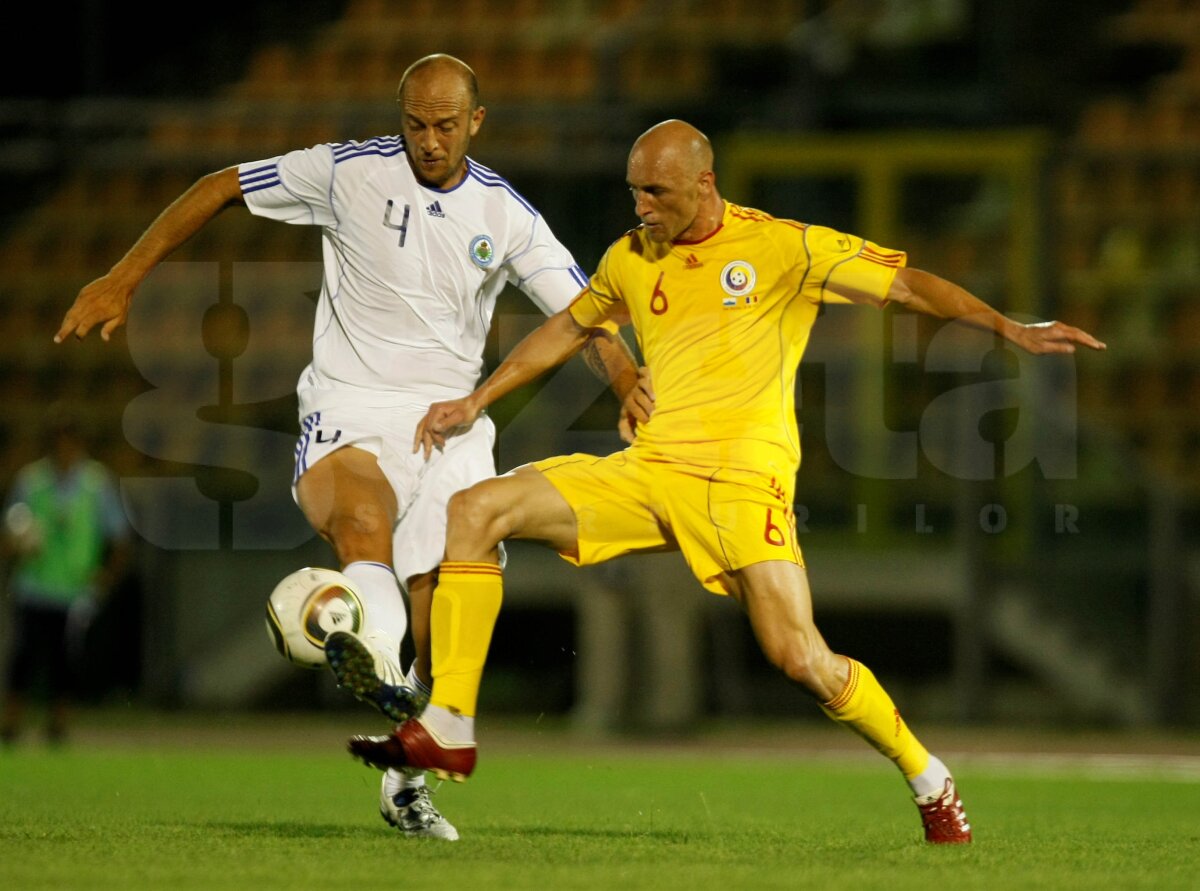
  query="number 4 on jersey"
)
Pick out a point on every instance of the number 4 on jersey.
point(387, 221)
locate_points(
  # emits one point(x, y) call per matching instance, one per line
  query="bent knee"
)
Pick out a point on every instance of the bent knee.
point(360, 521)
point(477, 511)
point(364, 533)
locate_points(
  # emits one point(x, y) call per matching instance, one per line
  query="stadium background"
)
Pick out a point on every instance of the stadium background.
point(1003, 541)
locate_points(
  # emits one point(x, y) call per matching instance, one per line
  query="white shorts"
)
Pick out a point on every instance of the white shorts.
point(423, 488)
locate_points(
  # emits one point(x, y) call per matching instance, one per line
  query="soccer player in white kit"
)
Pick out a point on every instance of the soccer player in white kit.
point(419, 240)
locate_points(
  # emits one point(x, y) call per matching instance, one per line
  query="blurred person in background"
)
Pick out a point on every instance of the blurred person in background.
point(419, 240)
point(69, 542)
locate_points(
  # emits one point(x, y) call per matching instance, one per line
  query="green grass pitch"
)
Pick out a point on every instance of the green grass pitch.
point(233, 816)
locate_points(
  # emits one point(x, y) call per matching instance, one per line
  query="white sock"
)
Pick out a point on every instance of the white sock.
point(386, 618)
point(448, 726)
point(395, 781)
point(409, 777)
point(932, 780)
point(413, 680)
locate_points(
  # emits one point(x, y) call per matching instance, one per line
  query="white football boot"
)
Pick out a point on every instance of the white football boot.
point(372, 675)
point(412, 812)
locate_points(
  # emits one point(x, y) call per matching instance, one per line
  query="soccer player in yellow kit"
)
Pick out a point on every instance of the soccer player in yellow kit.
point(722, 299)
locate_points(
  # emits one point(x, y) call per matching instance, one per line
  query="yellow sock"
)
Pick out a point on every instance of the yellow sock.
point(466, 603)
point(864, 706)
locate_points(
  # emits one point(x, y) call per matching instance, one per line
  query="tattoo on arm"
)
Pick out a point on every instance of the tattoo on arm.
point(595, 362)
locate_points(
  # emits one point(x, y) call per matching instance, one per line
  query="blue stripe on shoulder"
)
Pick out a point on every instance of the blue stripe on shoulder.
point(248, 179)
point(255, 170)
point(257, 178)
point(488, 178)
point(269, 184)
point(389, 153)
point(380, 142)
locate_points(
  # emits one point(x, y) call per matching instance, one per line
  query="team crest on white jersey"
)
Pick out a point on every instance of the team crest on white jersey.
point(738, 278)
point(482, 251)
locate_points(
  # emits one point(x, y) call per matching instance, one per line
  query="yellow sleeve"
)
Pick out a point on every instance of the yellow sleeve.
point(598, 306)
point(840, 263)
point(591, 311)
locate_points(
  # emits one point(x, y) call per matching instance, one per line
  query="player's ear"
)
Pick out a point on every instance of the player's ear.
point(477, 117)
point(708, 182)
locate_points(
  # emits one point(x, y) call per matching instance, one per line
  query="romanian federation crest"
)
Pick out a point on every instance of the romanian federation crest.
point(738, 278)
point(482, 251)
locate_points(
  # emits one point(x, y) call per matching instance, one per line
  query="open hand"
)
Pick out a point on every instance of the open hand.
point(1056, 337)
point(103, 302)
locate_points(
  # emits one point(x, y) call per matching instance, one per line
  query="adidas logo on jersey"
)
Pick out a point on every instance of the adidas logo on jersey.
point(692, 262)
point(435, 210)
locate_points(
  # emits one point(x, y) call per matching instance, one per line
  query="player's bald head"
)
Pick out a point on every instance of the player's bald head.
point(671, 178)
point(440, 114)
point(676, 144)
point(441, 74)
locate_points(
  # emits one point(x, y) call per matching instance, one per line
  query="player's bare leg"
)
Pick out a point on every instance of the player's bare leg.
point(777, 598)
point(349, 501)
point(466, 603)
point(420, 601)
point(521, 504)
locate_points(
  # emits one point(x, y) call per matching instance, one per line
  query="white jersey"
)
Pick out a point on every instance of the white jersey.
point(411, 274)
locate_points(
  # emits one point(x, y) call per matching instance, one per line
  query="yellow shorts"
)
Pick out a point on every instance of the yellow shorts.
point(720, 519)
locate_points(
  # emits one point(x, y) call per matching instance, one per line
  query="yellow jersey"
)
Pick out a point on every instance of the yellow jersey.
point(722, 324)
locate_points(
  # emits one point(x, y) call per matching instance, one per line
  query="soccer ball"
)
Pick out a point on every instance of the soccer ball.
point(305, 607)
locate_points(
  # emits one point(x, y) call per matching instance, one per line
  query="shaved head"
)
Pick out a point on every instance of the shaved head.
point(677, 143)
point(674, 188)
point(440, 111)
point(443, 70)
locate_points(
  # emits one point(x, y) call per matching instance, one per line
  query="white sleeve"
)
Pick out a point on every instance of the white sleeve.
point(292, 188)
point(545, 270)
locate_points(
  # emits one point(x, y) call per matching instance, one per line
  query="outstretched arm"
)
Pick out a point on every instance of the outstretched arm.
point(925, 292)
point(555, 341)
point(106, 300)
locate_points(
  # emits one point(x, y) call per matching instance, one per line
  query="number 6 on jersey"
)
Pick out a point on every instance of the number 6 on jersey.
point(658, 299)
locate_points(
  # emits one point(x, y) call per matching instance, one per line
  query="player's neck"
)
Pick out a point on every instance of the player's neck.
point(451, 181)
point(707, 222)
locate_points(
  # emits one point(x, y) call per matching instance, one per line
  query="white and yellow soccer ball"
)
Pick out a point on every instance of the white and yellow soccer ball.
point(305, 607)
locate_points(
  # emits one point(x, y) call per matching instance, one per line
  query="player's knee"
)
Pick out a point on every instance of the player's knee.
point(796, 663)
point(362, 533)
point(475, 512)
point(800, 661)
